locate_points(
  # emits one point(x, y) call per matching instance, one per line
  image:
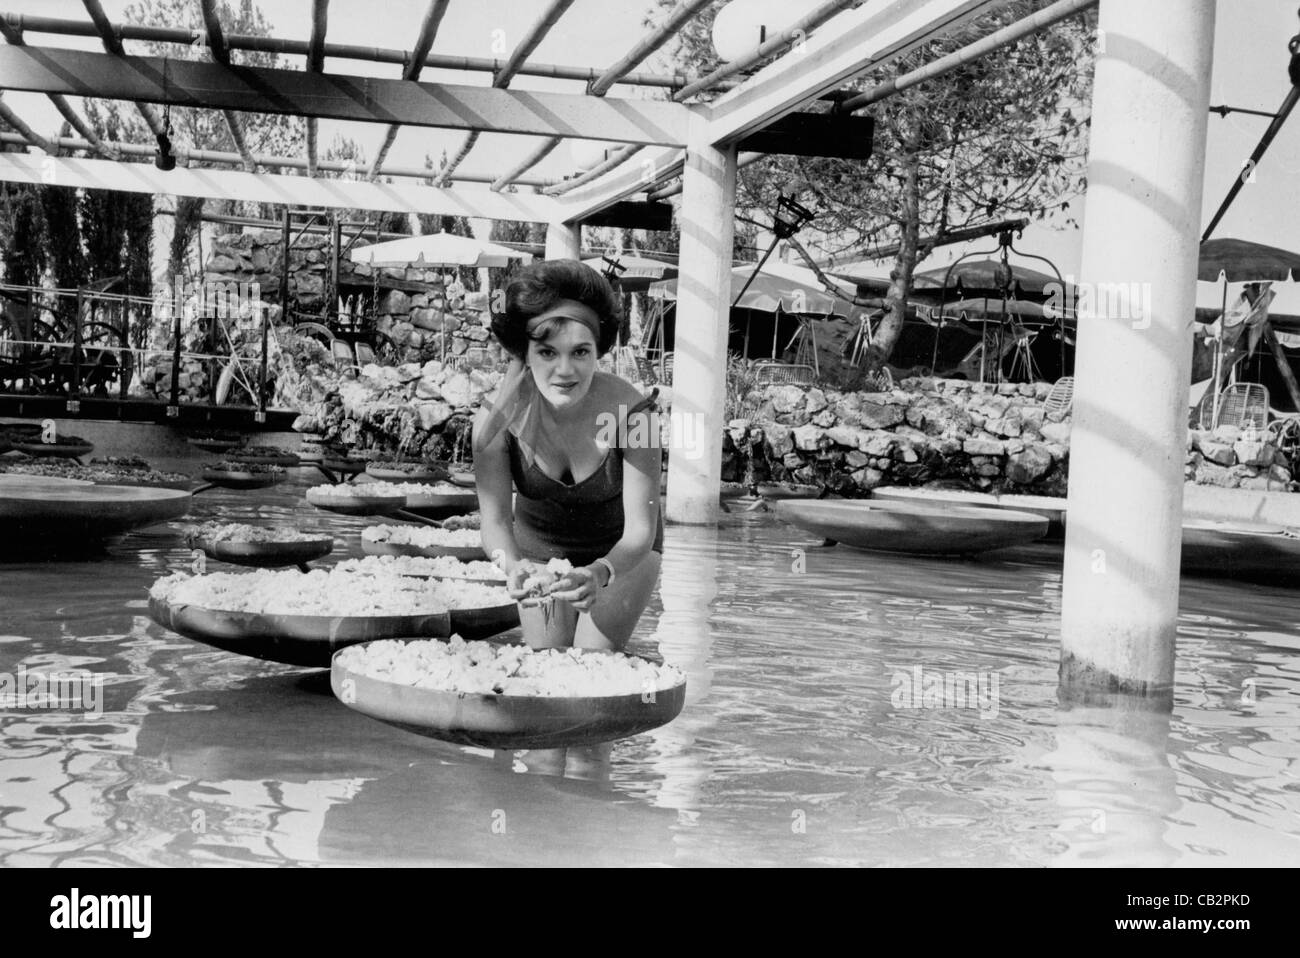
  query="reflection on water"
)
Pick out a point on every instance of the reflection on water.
point(818, 728)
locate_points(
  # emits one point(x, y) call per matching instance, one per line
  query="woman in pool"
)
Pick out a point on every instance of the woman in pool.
point(581, 447)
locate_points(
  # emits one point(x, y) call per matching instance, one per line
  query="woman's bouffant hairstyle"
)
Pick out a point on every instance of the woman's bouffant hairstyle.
point(536, 288)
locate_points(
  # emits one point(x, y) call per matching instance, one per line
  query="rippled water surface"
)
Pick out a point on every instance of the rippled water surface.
point(795, 745)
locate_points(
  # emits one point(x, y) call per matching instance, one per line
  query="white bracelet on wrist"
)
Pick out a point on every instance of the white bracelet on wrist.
point(608, 565)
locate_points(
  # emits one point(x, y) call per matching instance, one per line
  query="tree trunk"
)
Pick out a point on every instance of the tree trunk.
point(904, 263)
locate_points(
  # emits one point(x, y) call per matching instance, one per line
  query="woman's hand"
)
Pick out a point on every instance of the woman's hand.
point(581, 588)
point(518, 574)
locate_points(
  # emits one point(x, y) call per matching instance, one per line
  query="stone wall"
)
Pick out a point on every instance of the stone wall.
point(985, 436)
point(1232, 458)
point(422, 314)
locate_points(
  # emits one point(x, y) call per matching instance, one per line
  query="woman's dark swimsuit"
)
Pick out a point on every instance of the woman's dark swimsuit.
point(575, 521)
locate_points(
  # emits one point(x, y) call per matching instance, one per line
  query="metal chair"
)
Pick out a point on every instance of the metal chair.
point(1061, 397)
point(769, 372)
point(1240, 405)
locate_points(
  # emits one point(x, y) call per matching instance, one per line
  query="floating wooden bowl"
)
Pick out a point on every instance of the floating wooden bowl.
point(63, 449)
point(35, 516)
point(1241, 550)
point(452, 502)
point(350, 466)
point(788, 490)
point(1051, 509)
point(357, 504)
point(285, 459)
point(463, 553)
point(311, 640)
point(913, 527)
point(266, 555)
point(243, 480)
point(485, 720)
point(388, 474)
point(215, 445)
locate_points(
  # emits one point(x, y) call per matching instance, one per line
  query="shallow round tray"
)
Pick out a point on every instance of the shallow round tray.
point(243, 480)
point(266, 555)
point(465, 479)
point(728, 490)
point(215, 445)
point(184, 484)
point(485, 720)
point(463, 553)
point(1050, 508)
point(32, 516)
point(310, 455)
point(467, 501)
point(1240, 550)
point(788, 490)
point(12, 480)
point(285, 459)
point(311, 640)
point(60, 449)
point(351, 466)
point(384, 474)
point(913, 527)
point(357, 504)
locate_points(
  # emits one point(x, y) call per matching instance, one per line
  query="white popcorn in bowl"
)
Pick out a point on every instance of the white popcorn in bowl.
point(423, 536)
point(487, 668)
point(321, 592)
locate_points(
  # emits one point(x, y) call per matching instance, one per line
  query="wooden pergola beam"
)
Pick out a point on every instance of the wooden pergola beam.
point(367, 99)
point(15, 36)
point(215, 41)
point(872, 36)
point(411, 71)
point(338, 51)
point(599, 86)
point(672, 23)
point(316, 64)
point(529, 43)
point(527, 163)
point(59, 143)
point(765, 50)
point(652, 166)
point(277, 188)
point(26, 132)
point(108, 35)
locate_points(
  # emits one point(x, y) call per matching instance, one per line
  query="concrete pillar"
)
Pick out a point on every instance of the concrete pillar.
point(563, 241)
point(1137, 298)
point(699, 390)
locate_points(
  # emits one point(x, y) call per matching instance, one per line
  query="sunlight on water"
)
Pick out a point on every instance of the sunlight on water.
point(818, 728)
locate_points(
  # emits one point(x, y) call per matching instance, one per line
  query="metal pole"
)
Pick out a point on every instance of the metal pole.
point(76, 345)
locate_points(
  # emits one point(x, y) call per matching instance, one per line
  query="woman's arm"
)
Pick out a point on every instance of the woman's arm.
point(492, 479)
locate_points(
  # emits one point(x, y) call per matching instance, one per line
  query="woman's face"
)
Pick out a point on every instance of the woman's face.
point(564, 363)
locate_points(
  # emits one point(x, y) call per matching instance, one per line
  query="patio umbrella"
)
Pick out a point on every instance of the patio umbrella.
point(768, 293)
point(437, 249)
point(778, 288)
point(984, 274)
point(1241, 261)
point(638, 271)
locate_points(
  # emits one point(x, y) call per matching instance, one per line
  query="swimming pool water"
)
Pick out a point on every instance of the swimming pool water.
point(798, 745)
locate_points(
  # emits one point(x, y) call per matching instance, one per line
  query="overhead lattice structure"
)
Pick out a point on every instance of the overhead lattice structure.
point(648, 124)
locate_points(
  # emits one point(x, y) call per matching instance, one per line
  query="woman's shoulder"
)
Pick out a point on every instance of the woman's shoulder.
point(618, 392)
point(615, 392)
